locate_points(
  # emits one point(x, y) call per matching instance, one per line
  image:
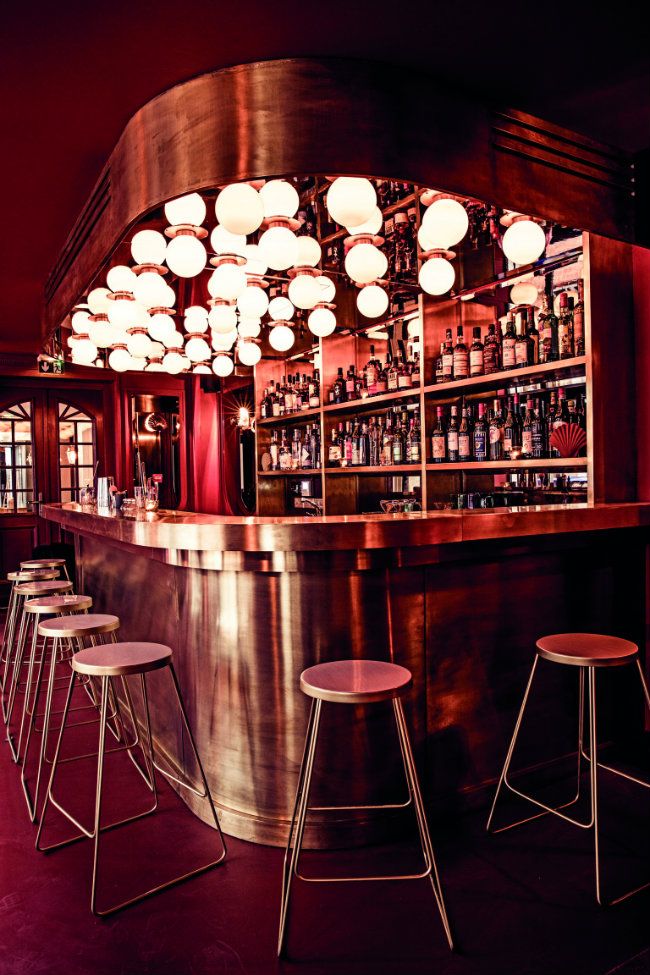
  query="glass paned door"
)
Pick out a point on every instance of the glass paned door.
point(16, 457)
point(77, 450)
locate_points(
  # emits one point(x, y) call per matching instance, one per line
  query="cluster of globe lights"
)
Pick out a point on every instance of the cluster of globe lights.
point(133, 315)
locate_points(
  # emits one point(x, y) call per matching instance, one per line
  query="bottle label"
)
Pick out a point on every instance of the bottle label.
point(381, 386)
point(507, 443)
point(414, 453)
point(579, 331)
point(480, 445)
point(476, 362)
point(495, 434)
point(452, 442)
point(285, 461)
point(521, 353)
point(397, 451)
point(273, 450)
point(313, 400)
point(490, 361)
point(276, 408)
point(404, 381)
point(461, 363)
point(509, 359)
point(438, 448)
point(392, 381)
point(334, 454)
point(527, 442)
point(464, 451)
point(447, 365)
point(354, 456)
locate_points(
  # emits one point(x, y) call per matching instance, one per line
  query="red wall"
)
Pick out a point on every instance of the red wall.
point(641, 273)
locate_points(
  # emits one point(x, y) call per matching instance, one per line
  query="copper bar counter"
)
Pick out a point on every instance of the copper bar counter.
point(457, 597)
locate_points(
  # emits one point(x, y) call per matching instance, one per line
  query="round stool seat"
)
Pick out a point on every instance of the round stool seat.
point(121, 659)
point(79, 625)
point(41, 588)
point(42, 563)
point(58, 604)
point(587, 649)
point(32, 574)
point(355, 681)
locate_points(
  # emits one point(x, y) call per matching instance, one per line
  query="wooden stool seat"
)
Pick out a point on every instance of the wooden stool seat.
point(44, 588)
point(79, 626)
point(58, 604)
point(42, 563)
point(121, 659)
point(355, 681)
point(587, 649)
point(29, 575)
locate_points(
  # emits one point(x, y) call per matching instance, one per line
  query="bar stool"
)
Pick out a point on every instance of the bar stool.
point(108, 662)
point(63, 605)
point(589, 652)
point(47, 564)
point(53, 587)
point(356, 682)
point(9, 631)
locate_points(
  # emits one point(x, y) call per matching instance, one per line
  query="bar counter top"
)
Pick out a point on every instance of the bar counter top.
point(192, 532)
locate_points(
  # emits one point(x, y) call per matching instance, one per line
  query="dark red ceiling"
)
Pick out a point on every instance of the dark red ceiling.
point(72, 73)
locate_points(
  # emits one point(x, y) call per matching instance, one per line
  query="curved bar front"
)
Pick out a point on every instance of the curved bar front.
point(457, 597)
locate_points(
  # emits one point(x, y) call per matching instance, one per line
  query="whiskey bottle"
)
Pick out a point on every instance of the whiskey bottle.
point(548, 337)
point(350, 385)
point(565, 326)
point(448, 358)
point(370, 372)
point(392, 374)
point(334, 452)
point(461, 356)
point(476, 358)
point(491, 352)
point(508, 344)
point(285, 453)
point(579, 320)
point(439, 440)
point(522, 351)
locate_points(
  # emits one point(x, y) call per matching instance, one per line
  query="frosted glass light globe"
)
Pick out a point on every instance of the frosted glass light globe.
point(249, 328)
point(174, 341)
point(281, 338)
point(223, 241)
point(426, 239)
point(196, 313)
point(279, 199)
point(372, 301)
point(255, 263)
point(161, 326)
point(80, 322)
point(446, 222)
point(202, 369)
point(327, 288)
point(279, 248)
point(309, 252)
point(157, 350)
point(148, 247)
point(186, 256)
point(119, 360)
point(523, 293)
point(188, 209)
point(364, 263)
point(197, 349)
point(524, 242)
point(437, 276)
point(149, 290)
point(249, 353)
point(321, 322)
point(351, 200)
point(224, 341)
point(139, 344)
point(138, 364)
point(253, 302)
point(169, 296)
point(173, 363)
point(227, 281)
point(121, 278)
point(155, 365)
point(84, 351)
point(304, 291)
point(222, 318)
point(414, 327)
point(98, 301)
point(239, 208)
point(101, 334)
point(120, 311)
point(372, 225)
point(223, 366)
point(195, 323)
point(281, 309)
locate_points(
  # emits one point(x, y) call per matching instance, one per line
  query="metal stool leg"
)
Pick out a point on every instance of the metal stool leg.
point(7, 635)
point(30, 688)
point(15, 681)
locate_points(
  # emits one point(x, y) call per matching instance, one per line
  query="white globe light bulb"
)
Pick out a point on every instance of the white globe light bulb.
point(148, 247)
point(138, 363)
point(365, 263)
point(446, 222)
point(169, 296)
point(414, 327)
point(189, 209)
point(309, 252)
point(196, 313)
point(120, 311)
point(80, 322)
point(249, 353)
point(372, 301)
point(173, 362)
point(150, 290)
point(327, 288)
point(281, 309)
point(157, 350)
point(224, 341)
point(253, 302)
point(279, 199)
point(255, 263)
point(279, 248)
point(426, 239)
point(239, 208)
point(321, 322)
point(139, 344)
point(161, 326)
point(186, 256)
point(223, 366)
point(98, 301)
point(372, 225)
point(222, 319)
point(437, 276)
point(223, 241)
point(523, 293)
point(84, 351)
point(174, 340)
point(154, 366)
point(119, 360)
point(101, 333)
point(121, 278)
point(249, 328)
point(202, 369)
point(281, 338)
point(524, 242)
point(351, 200)
point(227, 281)
point(197, 349)
point(304, 291)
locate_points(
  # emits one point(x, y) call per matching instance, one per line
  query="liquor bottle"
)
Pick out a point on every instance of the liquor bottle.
point(476, 360)
point(274, 450)
point(448, 358)
point(364, 445)
point(392, 374)
point(386, 455)
point(285, 452)
point(334, 453)
point(491, 352)
point(404, 377)
point(416, 372)
point(346, 458)
point(370, 372)
point(439, 440)
point(522, 350)
point(296, 450)
point(350, 385)
point(579, 320)
point(464, 438)
point(275, 400)
point(565, 326)
point(382, 379)
point(288, 396)
point(461, 356)
point(527, 431)
point(355, 451)
point(314, 390)
point(539, 431)
point(398, 441)
point(314, 441)
point(338, 387)
point(374, 435)
point(496, 432)
point(413, 442)
point(452, 436)
point(438, 375)
point(480, 435)
point(306, 460)
point(264, 414)
point(533, 338)
point(511, 432)
point(508, 359)
point(548, 337)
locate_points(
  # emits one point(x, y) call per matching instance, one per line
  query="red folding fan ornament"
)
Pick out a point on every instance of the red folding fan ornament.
point(568, 439)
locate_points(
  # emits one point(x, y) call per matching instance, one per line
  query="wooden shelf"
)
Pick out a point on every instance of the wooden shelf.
point(552, 463)
point(278, 421)
point(576, 365)
point(387, 471)
point(371, 402)
point(299, 472)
